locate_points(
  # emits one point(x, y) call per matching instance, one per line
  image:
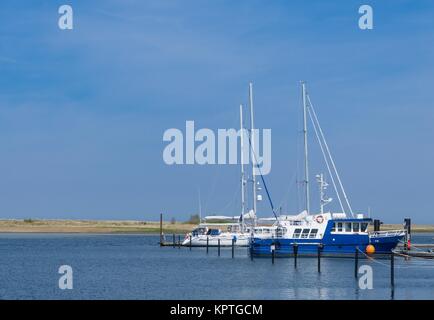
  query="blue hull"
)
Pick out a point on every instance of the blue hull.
point(308, 247)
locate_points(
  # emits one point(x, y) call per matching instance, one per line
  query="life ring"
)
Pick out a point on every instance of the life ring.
point(319, 219)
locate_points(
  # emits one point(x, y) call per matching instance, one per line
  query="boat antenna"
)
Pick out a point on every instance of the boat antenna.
point(243, 180)
point(322, 187)
point(252, 143)
point(200, 206)
point(306, 164)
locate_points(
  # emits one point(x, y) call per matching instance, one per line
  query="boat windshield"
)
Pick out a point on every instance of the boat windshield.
point(198, 231)
point(213, 232)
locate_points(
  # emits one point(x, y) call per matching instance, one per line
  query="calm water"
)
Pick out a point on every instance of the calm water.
point(135, 267)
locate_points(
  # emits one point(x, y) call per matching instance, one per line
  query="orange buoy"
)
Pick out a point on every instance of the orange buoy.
point(370, 249)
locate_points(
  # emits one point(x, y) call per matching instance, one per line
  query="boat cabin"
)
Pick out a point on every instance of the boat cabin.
point(199, 231)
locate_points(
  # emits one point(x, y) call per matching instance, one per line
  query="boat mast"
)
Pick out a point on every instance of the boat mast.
point(306, 165)
point(200, 206)
point(252, 142)
point(243, 180)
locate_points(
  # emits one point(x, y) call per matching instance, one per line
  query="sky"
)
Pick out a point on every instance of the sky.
point(83, 111)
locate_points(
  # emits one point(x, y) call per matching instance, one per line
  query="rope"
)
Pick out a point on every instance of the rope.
point(397, 267)
point(330, 156)
point(263, 180)
point(325, 159)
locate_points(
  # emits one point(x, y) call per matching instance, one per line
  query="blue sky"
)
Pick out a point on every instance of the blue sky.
point(82, 112)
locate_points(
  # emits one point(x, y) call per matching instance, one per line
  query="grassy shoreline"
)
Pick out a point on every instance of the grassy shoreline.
point(126, 226)
point(92, 226)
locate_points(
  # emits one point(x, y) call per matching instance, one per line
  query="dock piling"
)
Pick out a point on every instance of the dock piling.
point(161, 229)
point(356, 262)
point(179, 241)
point(218, 244)
point(190, 242)
point(407, 227)
point(174, 242)
point(392, 270)
point(251, 252)
point(319, 257)
point(233, 248)
point(207, 245)
point(295, 247)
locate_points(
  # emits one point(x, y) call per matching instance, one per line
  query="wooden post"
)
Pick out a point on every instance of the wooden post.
point(272, 255)
point(407, 227)
point(179, 241)
point(219, 246)
point(392, 270)
point(161, 229)
point(207, 245)
point(356, 263)
point(233, 247)
point(319, 257)
point(295, 254)
point(190, 242)
point(251, 251)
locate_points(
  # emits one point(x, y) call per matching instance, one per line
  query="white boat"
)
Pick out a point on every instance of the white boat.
point(209, 235)
point(238, 232)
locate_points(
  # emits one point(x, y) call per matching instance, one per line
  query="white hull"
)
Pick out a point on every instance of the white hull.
point(242, 240)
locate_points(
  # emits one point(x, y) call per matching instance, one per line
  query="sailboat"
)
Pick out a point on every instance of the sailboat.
point(333, 233)
point(238, 231)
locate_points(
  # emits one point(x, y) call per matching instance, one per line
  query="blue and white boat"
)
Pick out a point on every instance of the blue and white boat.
point(334, 234)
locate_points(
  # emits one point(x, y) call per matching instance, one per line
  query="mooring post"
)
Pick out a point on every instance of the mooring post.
point(190, 242)
point(218, 246)
point(356, 262)
point(207, 245)
point(392, 270)
point(407, 227)
point(251, 251)
point(161, 229)
point(319, 257)
point(295, 247)
point(179, 241)
point(233, 248)
point(272, 255)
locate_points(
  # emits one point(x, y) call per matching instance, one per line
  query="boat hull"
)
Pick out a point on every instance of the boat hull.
point(307, 247)
point(213, 241)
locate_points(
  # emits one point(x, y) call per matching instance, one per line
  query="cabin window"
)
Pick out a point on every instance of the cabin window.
point(280, 232)
point(364, 226)
point(313, 233)
point(356, 227)
point(334, 227)
point(339, 226)
point(296, 233)
point(305, 233)
point(347, 226)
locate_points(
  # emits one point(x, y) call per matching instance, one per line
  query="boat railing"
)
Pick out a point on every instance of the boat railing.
point(389, 233)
